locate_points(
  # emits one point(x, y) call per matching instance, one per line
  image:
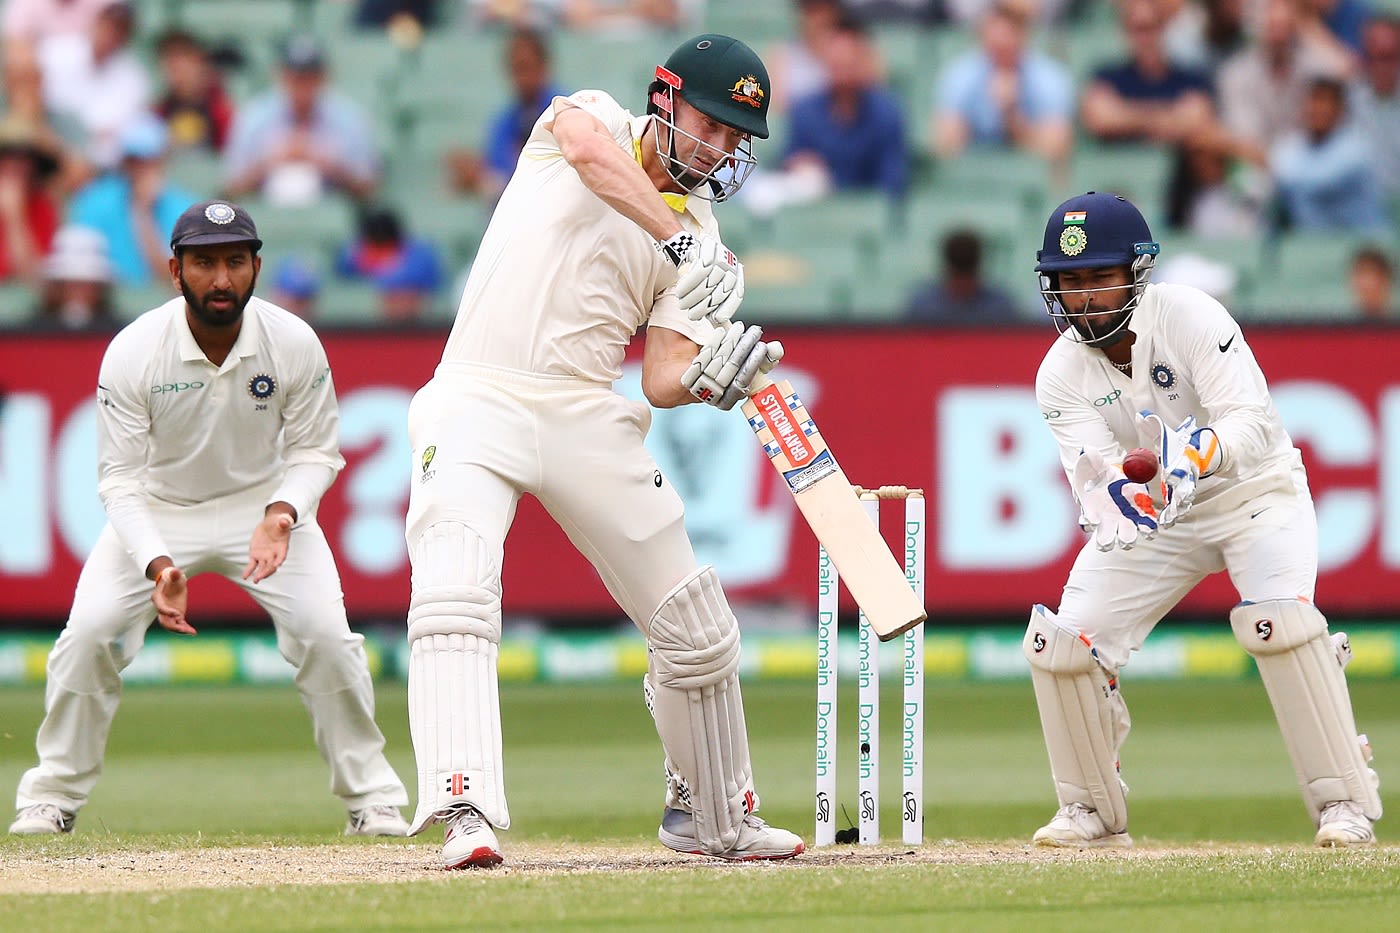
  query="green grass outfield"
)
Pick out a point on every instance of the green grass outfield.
point(214, 815)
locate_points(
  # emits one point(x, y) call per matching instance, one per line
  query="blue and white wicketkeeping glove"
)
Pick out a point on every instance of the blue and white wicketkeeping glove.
point(1117, 512)
point(1189, 454)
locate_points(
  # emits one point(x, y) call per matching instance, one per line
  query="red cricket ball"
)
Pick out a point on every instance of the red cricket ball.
point(1140, 465)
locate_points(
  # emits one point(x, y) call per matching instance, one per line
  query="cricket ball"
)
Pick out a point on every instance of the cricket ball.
point(1140, 465)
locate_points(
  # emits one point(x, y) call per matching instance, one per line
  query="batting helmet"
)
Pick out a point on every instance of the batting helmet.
point(726, 81)
point(1094, 231)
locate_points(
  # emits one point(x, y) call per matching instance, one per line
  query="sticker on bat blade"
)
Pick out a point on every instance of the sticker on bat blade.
point(810, 475)
point(776, 415)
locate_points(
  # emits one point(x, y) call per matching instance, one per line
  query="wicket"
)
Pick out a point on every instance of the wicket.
point(868, 698)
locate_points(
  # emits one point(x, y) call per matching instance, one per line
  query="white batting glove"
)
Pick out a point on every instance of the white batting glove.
point(709, 279)
point(1188, 454)
point(1118, 513)
point(724, 369)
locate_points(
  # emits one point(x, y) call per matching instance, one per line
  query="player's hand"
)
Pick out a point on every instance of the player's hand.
point(268, 548)
point(1188, 454)
point(724, 369)
point(1118, 513)
point(709, 279)
point(171, 597)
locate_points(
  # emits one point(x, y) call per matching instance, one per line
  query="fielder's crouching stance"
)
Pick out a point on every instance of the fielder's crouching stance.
point(606, 226)
point(1166, 367)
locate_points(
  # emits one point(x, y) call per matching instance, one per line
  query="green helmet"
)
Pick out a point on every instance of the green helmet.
point(722, 78)
point(725, 80)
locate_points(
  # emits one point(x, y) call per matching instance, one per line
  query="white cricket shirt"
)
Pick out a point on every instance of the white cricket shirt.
point(1189, 358)
point(173, 426)
point(562, 282)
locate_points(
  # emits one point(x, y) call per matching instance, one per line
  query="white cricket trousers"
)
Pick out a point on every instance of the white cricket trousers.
point(112, 610)
point(1268, 545)
point(577, 447)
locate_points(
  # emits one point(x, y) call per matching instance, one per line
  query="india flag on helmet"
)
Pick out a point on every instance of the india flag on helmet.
point(1074, 217)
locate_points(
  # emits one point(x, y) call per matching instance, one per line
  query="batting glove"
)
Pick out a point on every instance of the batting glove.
point(1116, 512)
point(1189, 454)
point(724, 369)
point(709, 279)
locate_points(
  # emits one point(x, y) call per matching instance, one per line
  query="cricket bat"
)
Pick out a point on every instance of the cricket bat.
point(832, 509)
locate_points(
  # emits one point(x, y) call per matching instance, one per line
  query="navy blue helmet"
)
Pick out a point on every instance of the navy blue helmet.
point(1093, 231)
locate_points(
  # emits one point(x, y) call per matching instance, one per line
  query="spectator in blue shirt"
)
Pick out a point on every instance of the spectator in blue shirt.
point(527, 62)
point(1325, 173)
point(1004, 95)
point(134, 206)
point(301, 139)
point(1147, 98)
point(404, 269)
point(854, 129)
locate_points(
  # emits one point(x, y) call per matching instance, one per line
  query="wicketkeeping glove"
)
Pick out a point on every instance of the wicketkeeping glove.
point(724, 369)
point(1115, 511)
point(709, 279)
point(1188, 455)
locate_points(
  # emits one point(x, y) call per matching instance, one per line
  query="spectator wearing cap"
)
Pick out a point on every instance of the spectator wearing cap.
point(135, 206)
point(301, 138)
point(296, 286)
point(28, 212)
point(193, 101)
point(404, 269)
point(77, 286)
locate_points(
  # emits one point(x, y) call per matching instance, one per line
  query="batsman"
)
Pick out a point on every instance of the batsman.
point(1167, 367)
point(606, 227)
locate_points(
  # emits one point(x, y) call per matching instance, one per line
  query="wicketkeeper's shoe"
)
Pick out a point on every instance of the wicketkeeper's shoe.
point(378, 820)
point(469, 841)
point(1075, 826)
point(1340, 824)
point(757, 840)
point(42, 819)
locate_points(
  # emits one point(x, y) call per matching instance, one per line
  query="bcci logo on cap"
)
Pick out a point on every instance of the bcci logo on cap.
point(219, 213)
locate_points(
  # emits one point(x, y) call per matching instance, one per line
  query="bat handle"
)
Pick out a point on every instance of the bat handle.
point(761, 380)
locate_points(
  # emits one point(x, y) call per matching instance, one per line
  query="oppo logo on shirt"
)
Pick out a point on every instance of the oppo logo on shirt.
point(176, 387)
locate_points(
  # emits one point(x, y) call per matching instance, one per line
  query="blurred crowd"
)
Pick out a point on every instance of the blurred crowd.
point(1276, 115)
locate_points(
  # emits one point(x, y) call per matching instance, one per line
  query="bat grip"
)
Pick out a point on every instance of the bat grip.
point(761, 380)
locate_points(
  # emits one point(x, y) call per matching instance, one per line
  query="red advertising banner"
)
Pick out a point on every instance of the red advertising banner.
point(951, 411)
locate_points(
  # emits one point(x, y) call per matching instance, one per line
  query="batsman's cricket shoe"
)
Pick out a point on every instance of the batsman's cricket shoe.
point(757, 840)
point(1340, 824)
point(469, 841)
point(379, 820)
point(42, 819)
point(1075, 826)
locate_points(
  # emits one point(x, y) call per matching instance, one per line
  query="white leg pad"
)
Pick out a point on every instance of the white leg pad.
point(1301, 667)
point(454, 714)
point(693, 642)
point(1082, 715)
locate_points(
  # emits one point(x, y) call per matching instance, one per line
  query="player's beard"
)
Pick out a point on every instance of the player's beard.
point(218, 317)
point(1113, 333)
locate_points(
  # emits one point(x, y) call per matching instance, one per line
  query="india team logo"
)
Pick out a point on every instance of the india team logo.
point(219, 213)
point(1163, 376)
point(747, 90)
point(1073, 241)
point(262, 385)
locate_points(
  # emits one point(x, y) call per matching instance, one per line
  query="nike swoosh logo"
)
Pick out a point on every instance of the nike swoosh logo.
point(1261, 511)
point(1226, 345)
